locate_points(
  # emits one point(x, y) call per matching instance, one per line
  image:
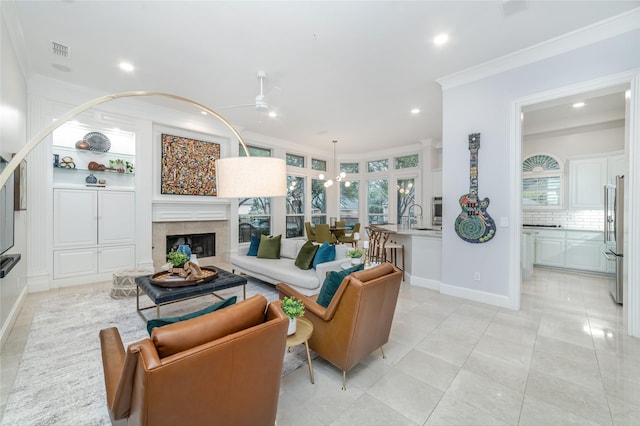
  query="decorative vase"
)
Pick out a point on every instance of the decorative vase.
point(292, 326)
point(184, 248)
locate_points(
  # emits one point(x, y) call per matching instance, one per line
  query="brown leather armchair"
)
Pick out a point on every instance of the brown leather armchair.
point(222, 368)
point(358, 319)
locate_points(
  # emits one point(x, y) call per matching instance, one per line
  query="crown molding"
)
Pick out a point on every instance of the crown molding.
point(620, 24)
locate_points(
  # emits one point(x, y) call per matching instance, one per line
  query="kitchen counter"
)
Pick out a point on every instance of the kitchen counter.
point(423, 255)
point(423, 232)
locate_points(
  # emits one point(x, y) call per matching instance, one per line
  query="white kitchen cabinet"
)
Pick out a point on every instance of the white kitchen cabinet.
point(583, 251)
point(94, 232)
point(587, 178)
point(570, 249)
point(436, 183)
point(550, 245)
point(616, 166)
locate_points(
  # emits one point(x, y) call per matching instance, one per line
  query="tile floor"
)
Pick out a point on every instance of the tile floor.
point(562, 359)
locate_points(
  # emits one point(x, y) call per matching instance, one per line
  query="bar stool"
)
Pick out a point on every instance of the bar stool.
point(392, 247)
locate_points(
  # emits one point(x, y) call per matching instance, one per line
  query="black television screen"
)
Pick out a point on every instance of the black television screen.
point(6, 211)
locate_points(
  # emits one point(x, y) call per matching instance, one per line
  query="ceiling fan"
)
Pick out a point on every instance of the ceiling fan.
point(260, 103)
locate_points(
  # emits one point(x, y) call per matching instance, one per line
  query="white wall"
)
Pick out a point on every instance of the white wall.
point(586, 141)
point(484, 106)
point(13, 107)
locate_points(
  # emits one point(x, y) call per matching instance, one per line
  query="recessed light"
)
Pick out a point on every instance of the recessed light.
point(272, 114)
point(627, 94)
point(578, 105)
point(203, 112)
point(415, 111)
point(126, 66)
point(441, 39)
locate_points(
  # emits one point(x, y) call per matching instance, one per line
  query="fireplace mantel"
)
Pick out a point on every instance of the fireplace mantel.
point(189, 211)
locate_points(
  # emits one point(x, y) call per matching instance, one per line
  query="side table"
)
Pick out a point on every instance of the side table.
point(304, 330)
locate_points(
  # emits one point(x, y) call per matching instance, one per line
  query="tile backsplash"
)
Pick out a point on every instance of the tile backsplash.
point(592, 220)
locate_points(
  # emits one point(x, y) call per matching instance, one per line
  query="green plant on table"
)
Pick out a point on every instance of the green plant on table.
point(177, 258)
point(292, 307)
point(355, 253)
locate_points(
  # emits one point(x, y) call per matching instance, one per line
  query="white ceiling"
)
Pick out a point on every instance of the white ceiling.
point(349, 71)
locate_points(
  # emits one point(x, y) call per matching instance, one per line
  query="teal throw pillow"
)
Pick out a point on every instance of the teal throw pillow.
point(159, 322)
point(253, 246)
point(326, 253)
point(269, 247)
point(304, 260)
point(332, 282)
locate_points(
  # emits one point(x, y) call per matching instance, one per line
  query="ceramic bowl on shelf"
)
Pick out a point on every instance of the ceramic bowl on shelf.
point(82, 144)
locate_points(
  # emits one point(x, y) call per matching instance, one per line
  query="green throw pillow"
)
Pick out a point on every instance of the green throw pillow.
point(269, 247)
point(304, 260)
point(332, 282)
point(159, 322)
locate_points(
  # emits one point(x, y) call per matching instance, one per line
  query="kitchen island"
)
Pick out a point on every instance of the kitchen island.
point(423, 254)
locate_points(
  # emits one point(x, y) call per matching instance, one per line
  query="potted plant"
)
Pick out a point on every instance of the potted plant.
point(355, 255)
point(293, 308)
point(177, 259)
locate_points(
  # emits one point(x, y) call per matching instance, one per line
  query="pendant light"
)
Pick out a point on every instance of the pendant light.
point(340, 176)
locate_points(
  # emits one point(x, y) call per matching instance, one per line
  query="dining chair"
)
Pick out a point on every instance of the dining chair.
point(351, 238)
point(311, 236)
point(339, 232)
point(324, 234)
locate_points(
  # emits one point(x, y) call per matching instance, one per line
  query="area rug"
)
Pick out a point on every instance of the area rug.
point(60, 380)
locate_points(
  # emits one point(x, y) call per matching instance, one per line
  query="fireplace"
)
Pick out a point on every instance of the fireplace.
point(214, 253)
point(202, 245)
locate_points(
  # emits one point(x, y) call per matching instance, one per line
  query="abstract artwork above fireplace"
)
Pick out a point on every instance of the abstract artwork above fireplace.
point(188, 166)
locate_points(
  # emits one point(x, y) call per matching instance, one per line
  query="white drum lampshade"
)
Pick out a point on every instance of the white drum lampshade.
point(248, 177)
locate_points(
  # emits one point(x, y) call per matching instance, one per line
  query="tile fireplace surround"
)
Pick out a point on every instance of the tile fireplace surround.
point(189, 218)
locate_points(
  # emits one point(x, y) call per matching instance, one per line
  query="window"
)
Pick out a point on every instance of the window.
point(295, 207)
point(406, 198)
point(254, 214)
point(541, 182)
point(350, 167)
point(378, 201)
point(320, 165)
point(377, 166)
point(406, 162)
point(318, 202)
point(350, 202)
point(295, 160)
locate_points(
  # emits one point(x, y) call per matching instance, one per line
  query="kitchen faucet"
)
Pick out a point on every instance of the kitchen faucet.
point(409, 213)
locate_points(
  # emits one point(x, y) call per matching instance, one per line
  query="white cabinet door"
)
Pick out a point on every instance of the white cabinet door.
point(116, 217)
point(585, 255)
point(75, 215)
point(114, 258)
point(436, 184)
point(617, 166)
point(550, 252)
point(587, 178)
point(75, 263)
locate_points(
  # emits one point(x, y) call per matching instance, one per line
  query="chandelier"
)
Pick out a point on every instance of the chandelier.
point(340, 176)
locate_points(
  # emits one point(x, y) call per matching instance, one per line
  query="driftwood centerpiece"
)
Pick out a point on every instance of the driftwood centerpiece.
point(190, 274)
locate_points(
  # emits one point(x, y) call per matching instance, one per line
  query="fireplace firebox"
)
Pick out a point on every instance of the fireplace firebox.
point(202, 245)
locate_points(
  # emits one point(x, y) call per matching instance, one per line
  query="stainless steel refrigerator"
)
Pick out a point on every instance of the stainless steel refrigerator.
point(613, 234)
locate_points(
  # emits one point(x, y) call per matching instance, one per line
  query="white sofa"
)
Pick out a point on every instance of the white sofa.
point(284, 270)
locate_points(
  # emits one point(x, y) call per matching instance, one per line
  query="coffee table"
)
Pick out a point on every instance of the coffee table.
point(165, 295)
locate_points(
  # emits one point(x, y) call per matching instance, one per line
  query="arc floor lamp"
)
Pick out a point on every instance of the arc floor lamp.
point(236, 177)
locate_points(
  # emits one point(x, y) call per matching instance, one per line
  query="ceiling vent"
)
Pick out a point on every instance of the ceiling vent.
point(60, 49)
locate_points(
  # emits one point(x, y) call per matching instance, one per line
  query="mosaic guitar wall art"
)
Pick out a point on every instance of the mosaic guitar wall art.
point(188, 166)
point(474, 224)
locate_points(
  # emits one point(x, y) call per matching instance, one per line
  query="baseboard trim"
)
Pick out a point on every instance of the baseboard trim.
point(38, 282)
point(13, 316)
point(476, 295)
point(424, 282)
